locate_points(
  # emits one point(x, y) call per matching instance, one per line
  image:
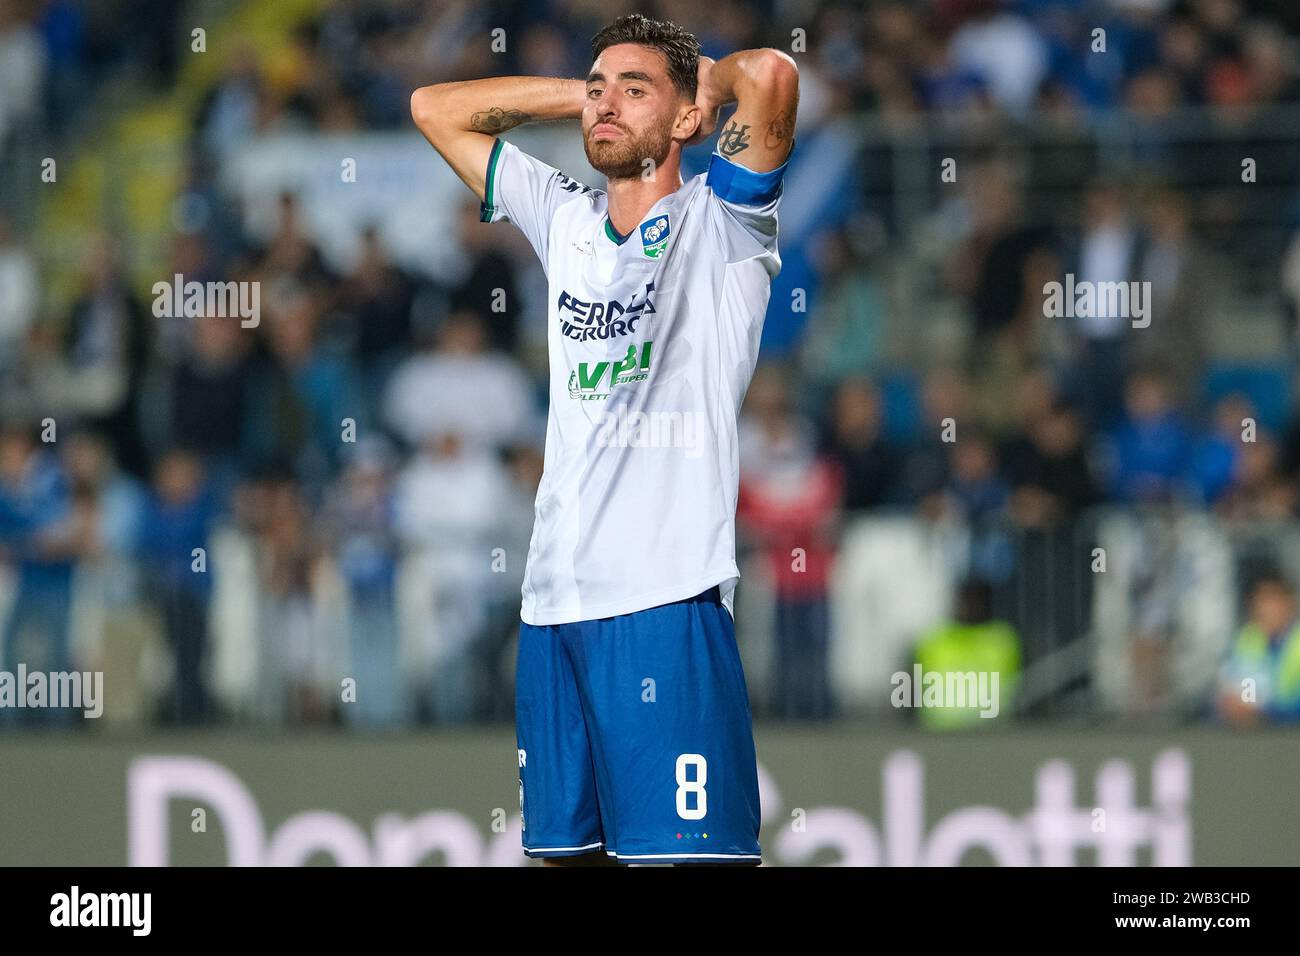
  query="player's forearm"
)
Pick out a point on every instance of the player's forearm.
point(462, 120)
point(496, 104)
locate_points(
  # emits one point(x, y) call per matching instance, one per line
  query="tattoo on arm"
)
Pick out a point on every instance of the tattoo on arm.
point(734, 139)
point(497, 120)
point(780, 129)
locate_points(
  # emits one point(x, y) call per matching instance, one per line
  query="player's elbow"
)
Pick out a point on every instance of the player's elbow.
point(421, 108)
point(775, 71)
point(424, 109)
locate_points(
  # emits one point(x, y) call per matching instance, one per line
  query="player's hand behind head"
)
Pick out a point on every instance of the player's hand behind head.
point(707, 100)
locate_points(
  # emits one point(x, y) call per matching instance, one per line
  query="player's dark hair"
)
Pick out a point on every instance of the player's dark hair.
point(680, 49)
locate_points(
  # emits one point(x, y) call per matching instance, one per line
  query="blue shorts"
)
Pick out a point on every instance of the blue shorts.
point(635, 737)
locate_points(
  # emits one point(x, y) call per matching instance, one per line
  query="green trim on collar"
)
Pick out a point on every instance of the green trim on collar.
point(613, 233)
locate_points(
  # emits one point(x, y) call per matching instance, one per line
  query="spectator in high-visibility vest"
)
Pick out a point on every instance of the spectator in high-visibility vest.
point(969, 650)
point(1260, 681)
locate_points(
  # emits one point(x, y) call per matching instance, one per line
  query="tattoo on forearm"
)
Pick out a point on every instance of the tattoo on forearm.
point(780, 129)
point(734, 139)
point(497, 120)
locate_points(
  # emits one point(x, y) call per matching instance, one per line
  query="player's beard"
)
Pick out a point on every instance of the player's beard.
point(624, 157)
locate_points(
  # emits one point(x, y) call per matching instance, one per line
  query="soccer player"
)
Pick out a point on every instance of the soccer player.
point(634, 732)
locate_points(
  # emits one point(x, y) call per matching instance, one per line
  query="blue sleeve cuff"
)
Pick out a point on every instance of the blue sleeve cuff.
point(741, 185)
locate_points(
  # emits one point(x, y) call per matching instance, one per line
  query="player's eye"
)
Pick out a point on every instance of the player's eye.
point(635, 92)
point(593, 92)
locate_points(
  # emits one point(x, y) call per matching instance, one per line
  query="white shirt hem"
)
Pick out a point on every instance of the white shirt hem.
point(570, 614)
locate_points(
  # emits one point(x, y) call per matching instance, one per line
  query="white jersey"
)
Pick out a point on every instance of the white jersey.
point(653, 338)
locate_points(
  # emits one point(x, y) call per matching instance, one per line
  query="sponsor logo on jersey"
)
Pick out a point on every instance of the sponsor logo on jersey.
point(654, 236)
point(593, 381)
point(585, 321)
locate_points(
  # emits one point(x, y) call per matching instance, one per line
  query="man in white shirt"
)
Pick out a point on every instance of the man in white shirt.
point(633, 724)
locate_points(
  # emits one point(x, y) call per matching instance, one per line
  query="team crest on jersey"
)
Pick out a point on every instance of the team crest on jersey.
point(654, 236)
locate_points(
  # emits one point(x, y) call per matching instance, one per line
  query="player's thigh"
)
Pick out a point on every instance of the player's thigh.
point(557, 785)
point(672, 737)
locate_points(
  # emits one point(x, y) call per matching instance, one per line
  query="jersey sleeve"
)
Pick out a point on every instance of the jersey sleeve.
point(745, 210)
point(751, 199)
point(525, 191)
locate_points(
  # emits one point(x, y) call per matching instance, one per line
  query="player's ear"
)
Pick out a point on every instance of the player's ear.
point(689, 118)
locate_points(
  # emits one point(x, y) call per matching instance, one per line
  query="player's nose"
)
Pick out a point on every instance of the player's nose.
point(606, 106)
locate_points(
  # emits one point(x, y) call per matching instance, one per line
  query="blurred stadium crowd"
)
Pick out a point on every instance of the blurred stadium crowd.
point(926, 455)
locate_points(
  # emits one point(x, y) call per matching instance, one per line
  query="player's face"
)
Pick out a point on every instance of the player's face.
point(631, 111)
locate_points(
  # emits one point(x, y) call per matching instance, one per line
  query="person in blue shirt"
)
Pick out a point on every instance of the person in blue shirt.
point(177, 519)
point(1152, 448)
point(37, 538)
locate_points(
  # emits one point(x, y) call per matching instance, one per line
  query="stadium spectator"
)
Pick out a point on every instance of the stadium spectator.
point(313, 390)
point(1173, 262)
point(451, 512)
point(38, 533)
point(976, 494)
point(1004, 49)
point(63, 28)
point(106, 344)
point(1105, 252)
point(228, 115)
point(24, 61)
point(1152, 447)
point(1260, 680)
point(945, 402)
point(855, 441)
point(1053, 486)
point(847, 334)
point(1260, 490)
point(488, 285)
point(19, 296)
point(972, 643)
point(175, 553)
point(1216, 459)
point(1049, 468)
point(205, 401)
point(112, 504)
point(461, 386)
point(976, 488)
point(361, 518)
point(298, 660)
point(291, 254)
point(788, 507)
point(999, 268)
point(375, 305)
